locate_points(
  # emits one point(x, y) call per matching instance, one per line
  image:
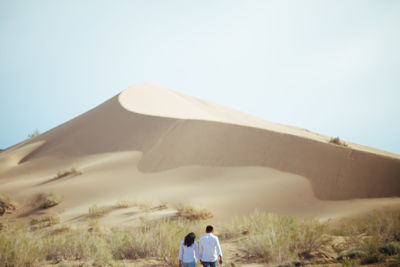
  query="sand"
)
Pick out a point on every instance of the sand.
point(153, 144)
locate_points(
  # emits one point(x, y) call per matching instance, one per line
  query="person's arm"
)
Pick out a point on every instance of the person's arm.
point(201, 249)
point(196, 250)
point(180, 255)
point(219, 251)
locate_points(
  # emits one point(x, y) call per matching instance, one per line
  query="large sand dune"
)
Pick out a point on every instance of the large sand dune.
point(153, 143)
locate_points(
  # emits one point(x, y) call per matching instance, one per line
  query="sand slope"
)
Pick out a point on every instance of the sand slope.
point(153, 143)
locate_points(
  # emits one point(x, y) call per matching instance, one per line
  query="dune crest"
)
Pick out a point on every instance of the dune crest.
point(151, 142)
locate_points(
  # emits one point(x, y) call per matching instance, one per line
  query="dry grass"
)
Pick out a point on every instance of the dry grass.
point(6, 204)
point(192, 213)
point(265, 237)
point(50, 200)
point(70, 172)
point(99, 211)
point(370, 234)
point(123, 204)
point(45, 221)
point(277, 239)
point(34, 133)
point(337, 141)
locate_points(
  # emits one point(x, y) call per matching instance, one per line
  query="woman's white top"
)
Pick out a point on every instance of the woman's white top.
point(187, 254)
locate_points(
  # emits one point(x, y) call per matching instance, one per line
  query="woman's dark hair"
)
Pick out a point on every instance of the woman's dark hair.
point(189, 239)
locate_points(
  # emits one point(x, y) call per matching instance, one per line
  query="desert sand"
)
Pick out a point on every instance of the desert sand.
point(153, 144)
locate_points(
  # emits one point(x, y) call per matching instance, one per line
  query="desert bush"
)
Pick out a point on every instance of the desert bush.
point(337, 141)
point(383, 224)
point(6, 204)
point(49, 201)
point(312, 235)
point(123, 204)
point(271, 237)
point(72, 172)
point(190, 212)
point(392, 248)
point(371, 235)
point(34, 133)
point(99, 211)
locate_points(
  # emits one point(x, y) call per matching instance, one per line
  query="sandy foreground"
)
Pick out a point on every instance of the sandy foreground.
point(156, 145)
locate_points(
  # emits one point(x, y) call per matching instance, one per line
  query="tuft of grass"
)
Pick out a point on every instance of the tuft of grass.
point(34, 133)
point(99, 211)
point(123, 204)
point(70, 172)
point(192, 213)
point(45, 221)
point(49, 201)
point(337, 141)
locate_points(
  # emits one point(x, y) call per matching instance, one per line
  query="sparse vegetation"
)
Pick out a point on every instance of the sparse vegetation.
point(371, 237)
point(71, 172)
point(123, 204)
point(99, 211)
point(264, 237)
point(277, 239)
point(337, 141)
point(34, 133)
point(45, 221)
point(49, 201)
point(192, 213)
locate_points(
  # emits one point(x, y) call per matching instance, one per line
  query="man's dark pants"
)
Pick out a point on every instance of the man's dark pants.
point(209, 263)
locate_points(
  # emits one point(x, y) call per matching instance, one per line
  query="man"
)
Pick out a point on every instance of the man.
point(209, 249)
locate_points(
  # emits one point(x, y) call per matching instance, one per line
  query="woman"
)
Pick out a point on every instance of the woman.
point(188, 251)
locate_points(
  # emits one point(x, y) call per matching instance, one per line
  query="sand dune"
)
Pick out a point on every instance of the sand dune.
point(153, 143)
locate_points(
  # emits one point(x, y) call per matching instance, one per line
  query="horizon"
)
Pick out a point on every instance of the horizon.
point(331, 67)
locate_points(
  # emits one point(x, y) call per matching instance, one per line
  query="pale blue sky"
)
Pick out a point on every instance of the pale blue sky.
point(329, 66)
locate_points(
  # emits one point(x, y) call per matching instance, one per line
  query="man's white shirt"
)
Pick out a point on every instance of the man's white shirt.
point(209, 248)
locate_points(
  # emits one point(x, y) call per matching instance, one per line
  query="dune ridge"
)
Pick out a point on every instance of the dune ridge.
point(122, 151)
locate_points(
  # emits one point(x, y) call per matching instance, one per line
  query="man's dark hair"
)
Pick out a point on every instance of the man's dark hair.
point(209, 229)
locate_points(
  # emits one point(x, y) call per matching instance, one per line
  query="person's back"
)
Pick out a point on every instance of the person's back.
point(188, 250)
point(210, 249)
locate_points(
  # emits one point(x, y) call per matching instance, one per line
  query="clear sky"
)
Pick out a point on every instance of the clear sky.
point(329, 66)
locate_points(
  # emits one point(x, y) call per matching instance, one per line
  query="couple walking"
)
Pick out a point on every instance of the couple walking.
point(207, 251)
